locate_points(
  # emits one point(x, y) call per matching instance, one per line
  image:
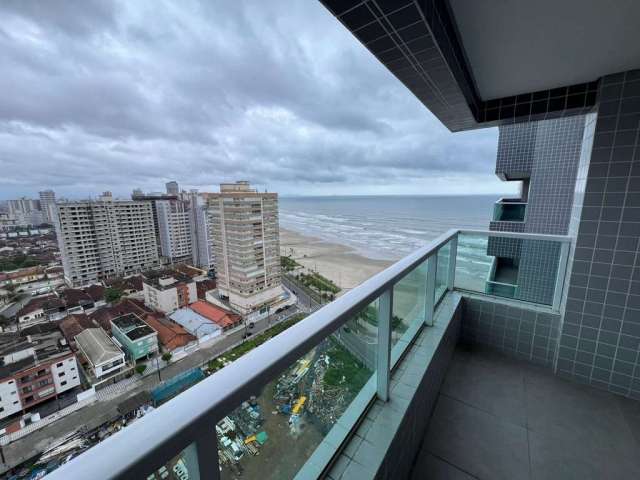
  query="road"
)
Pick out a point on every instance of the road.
point(101, 412)
point(304, 299)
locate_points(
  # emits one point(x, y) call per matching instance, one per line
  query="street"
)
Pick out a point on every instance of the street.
point(100, 412)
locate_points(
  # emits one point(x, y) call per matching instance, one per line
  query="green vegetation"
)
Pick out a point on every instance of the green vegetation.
point(141, 367)
point(345, 369)
point(237, 352)
point(112, 294)
point(18, 261)
point(319, 283)
point(288, 264)
point(370, 316)
point(166, 356)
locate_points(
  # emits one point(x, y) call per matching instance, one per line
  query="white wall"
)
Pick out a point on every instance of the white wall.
point(65, 374)
point(9, 398)
point(101, 370)
point(165, 301)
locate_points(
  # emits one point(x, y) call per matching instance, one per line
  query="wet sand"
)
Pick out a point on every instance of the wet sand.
point(338, 263)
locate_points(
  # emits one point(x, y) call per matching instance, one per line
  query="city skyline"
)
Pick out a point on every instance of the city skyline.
point(189, 110)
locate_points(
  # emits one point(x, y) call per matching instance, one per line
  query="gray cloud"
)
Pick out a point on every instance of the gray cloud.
point(117, 95)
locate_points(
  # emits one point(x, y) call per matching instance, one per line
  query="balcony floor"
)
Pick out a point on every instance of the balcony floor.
point(499, 418)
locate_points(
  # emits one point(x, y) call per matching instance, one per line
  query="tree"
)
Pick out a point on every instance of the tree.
point(166, 356)
point(112, 294)
point(141, 367)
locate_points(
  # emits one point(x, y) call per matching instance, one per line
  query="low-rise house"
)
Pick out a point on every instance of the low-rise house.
point(128, 285)
point(137, 338)
point(73, 325)
point(104, 315)
point(197, 325)
point(75, 298)
point(169, 291)
point(22, 275)
point(225, 319)
point(40, 309)
point(170, 334)
point(103, 356)
point(36, 365)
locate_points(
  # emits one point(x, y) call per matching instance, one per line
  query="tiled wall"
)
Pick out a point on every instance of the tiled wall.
point(526, 332)
point(553, 175)
point(516, 148)
point(600, 340)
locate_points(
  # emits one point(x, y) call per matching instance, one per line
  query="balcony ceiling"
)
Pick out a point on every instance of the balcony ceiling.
point(492, 62)
point(516, 47)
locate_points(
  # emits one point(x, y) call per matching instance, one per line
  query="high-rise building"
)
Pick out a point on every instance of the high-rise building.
point(174, 230)
point(246, 245)
point(48, 205)
point(22, 205)
point(201, 245)
point(105, 238)
point(172, 188)
point(171, 221)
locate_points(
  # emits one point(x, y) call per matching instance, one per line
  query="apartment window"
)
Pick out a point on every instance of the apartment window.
point(16, 402)
point(59, 364)
point(63, 383)
point(1, 409)
point(61, 374)
point(27, 389)
point(43, 383)
point(29, 398)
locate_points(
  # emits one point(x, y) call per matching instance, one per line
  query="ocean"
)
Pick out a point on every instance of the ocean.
point(384, 227)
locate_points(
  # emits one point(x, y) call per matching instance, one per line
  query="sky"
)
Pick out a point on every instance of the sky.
point(118, 95)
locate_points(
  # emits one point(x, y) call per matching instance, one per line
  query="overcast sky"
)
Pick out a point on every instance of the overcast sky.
point(102, 95)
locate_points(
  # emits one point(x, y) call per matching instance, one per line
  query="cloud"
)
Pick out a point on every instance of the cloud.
point(118, 95)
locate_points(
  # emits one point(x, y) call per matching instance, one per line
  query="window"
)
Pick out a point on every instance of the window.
point(1, 409)
point(42, 383)
point(59, 364)
point(63, 383)
point(29, 398)
point(16, 402)
point(61, 374)
point(27, 389)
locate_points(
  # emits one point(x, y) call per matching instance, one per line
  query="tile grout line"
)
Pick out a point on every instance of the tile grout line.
point(526, 422)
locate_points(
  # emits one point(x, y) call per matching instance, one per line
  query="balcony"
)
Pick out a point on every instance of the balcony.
point(509, 210)
point(348, 392)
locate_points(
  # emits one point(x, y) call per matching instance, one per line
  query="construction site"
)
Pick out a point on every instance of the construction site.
point(271, 436)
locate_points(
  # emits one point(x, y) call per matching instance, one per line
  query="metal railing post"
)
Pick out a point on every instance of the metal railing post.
point(383, 367)
point(430, 291)
point(453, 253)
point(207, 449)
point(562, 270)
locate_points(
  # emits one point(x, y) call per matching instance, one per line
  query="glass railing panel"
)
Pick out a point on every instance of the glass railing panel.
point(509, 211)
point(409, 301)
point(526, 270)
point(183, 466)
point(442, 271)
point(271, 436)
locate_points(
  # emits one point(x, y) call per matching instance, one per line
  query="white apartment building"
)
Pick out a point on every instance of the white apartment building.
point(201, 245)
point(48, 205)
point(9, 399)
point(174, 230)
point(105, 238)
point(167, 293)
point(244, 228)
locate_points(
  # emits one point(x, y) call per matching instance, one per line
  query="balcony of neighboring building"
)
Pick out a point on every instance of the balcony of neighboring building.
point(509, 210)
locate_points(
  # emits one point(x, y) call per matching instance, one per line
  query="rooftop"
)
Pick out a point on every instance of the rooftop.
point(104, 315)
point(166, 279)
point(219, 316)
point(97, 346)
point(193, 322)
point(170, 334)
point(46, 341)
point(132, 326)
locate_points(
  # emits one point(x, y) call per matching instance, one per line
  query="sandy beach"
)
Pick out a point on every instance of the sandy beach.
point(339, 263)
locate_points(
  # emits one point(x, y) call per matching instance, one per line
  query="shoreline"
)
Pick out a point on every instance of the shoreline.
point(339, 263)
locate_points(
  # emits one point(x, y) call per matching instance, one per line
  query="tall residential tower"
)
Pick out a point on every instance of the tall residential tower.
point(105, 238)
point(246, 244)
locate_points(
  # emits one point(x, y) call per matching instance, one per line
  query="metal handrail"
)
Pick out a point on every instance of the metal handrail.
point(172, 427)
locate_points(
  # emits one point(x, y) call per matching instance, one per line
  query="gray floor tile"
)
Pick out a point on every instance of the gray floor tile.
point(554, 402)
point(490, 384)
point(477, 442)
point(429, 467)
point(631, 412)
point(558, 453)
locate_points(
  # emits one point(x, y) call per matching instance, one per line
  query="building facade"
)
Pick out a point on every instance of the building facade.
point(201, 242)
point(137, 338)
point(174, 230)
point(244, 228)
point(48, 205)
point(169, 292)
point(104, 239)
